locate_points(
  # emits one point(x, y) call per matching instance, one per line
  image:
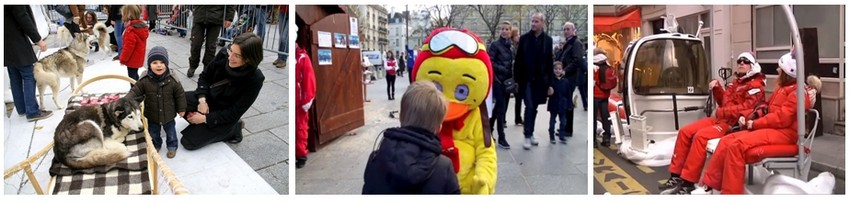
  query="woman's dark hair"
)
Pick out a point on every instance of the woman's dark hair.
point(252, 48)
point(93, 16)
point(390, 55)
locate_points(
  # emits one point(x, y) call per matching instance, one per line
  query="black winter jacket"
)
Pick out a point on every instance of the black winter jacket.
point(533, 64)
point(212, 14)
point(409, 162)
point(21, 34)
point(163, 97)
point(228, 100)
point(502, 59)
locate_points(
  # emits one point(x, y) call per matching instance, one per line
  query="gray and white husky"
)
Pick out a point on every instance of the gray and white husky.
point(67, 62)
point(94, 135)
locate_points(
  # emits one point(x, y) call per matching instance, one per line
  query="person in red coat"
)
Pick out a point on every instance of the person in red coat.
point(135, 40)
point(741, 96)
point(725, 170)
point(305, 93)
point(604, 81)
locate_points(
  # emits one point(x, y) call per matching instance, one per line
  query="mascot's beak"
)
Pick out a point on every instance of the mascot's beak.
point(456, 110)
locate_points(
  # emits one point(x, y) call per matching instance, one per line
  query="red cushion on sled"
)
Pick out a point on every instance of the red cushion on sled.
point(772, 151)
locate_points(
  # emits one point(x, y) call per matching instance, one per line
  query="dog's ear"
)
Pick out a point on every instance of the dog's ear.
point(119, 109)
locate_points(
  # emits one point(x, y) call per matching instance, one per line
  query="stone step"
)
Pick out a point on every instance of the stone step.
point(838, 128)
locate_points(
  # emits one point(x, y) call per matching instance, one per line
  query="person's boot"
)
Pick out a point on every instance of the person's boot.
point(238, 137)
point(191, 72)
point(504, 144)
point(671, 183)
point(300, 162)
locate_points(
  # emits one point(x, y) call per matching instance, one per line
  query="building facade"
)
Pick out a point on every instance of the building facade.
point(373, 21)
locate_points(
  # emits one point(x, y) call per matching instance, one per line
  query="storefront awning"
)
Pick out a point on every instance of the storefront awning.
point(614, 23)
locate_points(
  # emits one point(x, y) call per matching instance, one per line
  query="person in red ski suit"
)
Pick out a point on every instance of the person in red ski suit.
point(305, 92)
point(604, 80)
point(689, 154)
point(725, 170)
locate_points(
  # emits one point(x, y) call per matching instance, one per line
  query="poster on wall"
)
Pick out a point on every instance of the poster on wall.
point(339, 40)
point(353, 24)
point(354, 42)
point(325, 57)
point(325, 39)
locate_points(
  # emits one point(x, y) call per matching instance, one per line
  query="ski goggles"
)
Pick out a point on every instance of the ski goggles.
point(443, 41)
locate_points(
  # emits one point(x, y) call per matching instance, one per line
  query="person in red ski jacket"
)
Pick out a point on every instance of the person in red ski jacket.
point(725, 170)
point(391, 65)
point(135, 40)
point(305, 93)
point(604, 80)
point(739, 97)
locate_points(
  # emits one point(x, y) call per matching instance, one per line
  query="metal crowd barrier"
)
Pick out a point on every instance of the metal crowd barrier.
point(261, 20)
point(173, 18)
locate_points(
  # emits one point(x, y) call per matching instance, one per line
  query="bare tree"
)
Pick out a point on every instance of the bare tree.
point(551, 12)
point(445, 15)
point(491, 15)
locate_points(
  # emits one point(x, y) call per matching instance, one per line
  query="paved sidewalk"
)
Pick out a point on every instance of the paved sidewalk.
point(546, 169)
point(216, 169)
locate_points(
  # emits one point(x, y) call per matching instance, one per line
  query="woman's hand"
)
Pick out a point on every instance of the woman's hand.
point(203, 108)
point(742, 121)
point(197, 119)
point(750, 124)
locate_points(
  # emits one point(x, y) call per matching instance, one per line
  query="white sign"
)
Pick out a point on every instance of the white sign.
point(690, 89)
point(353, 23)
point(325, 39)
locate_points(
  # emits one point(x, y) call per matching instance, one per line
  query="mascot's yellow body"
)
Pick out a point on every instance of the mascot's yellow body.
point(458, 64)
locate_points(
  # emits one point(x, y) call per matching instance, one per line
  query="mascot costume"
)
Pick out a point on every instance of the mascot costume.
point(457, 62)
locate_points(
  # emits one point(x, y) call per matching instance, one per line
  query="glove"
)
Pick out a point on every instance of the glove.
point(307, 106)
point(480, 187)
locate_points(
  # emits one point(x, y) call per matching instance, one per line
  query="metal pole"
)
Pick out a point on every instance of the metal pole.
point(801, 95)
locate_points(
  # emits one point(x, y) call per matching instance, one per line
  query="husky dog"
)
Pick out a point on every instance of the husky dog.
point(67, 62)
point(102, 42)
point(94, 135)
point(64, 35)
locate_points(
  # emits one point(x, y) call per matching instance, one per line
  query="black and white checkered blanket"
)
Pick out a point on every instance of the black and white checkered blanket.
point(129, 176)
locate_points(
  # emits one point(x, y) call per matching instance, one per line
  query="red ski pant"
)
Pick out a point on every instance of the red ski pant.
point(726, 168)
point(689, 152)
point(301, 125)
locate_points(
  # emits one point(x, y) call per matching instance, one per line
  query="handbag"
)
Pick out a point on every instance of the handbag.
point(511, 86)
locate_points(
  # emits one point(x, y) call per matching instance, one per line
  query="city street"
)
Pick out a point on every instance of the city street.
point(338, 167)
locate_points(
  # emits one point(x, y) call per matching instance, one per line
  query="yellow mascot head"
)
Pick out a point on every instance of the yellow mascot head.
point(456, 61)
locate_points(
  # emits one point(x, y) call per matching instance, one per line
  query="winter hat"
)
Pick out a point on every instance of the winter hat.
point(158, 53)
point(599, 56)
point(756, 68)
point(788, 65)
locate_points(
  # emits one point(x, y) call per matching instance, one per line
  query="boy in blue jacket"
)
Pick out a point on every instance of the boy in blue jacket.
point(559, 103)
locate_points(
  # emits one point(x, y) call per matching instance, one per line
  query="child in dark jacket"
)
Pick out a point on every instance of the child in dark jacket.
point(164, 99)
point(559, 104)
point(409, 160)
